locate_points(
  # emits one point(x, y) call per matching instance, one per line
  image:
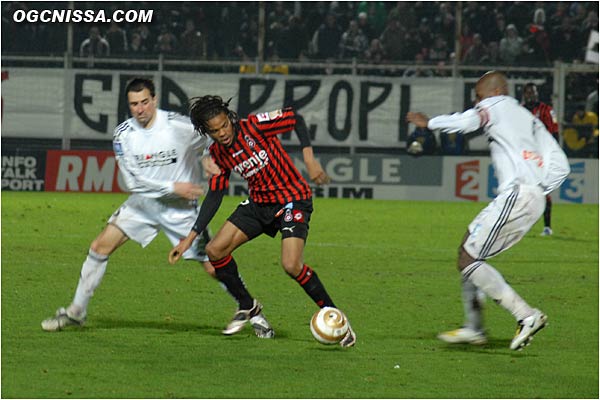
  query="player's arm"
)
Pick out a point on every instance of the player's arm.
point(209, 208)
point(314, 168)
point(137, 182)
point(468, 121)
point(218, 188)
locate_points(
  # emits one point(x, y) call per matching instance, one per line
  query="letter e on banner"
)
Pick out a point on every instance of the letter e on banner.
point(467, 180)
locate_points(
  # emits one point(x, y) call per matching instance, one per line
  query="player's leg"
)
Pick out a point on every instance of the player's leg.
point(548, 217)
point(133, 220)
point(176, 229)
point(92, 272)
point(219, 250)
point(472, 330)
point(497, 228)
point(292, 249)
point(294, 231)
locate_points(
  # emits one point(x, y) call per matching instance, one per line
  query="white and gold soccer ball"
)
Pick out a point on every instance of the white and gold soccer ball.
point(329, 325)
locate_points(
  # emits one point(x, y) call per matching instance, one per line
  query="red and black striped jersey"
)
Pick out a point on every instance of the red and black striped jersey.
point(545, 113)
point(258, 156)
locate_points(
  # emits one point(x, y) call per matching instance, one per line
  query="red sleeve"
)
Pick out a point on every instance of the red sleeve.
point(219, 182)
point(549, 119)
point(274, 122)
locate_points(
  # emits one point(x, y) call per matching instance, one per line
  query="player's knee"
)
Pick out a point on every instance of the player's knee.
point(99, 247)
point(291, 266)
point(214, 252)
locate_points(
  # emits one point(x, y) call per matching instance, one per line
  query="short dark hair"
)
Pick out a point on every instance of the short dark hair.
point(139, 83)
point(204, 108)
point(530, 85)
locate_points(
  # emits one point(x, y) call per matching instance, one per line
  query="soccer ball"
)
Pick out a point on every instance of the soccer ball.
point(329, 325)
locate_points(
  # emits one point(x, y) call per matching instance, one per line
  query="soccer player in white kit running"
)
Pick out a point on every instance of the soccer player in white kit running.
point(529, 164)
point(157, 152)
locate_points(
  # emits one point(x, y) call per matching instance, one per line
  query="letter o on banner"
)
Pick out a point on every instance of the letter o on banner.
point(343, 133)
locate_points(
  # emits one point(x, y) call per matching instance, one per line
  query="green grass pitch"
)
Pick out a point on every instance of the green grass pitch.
point(153, 329)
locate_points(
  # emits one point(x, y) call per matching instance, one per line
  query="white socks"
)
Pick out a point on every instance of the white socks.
point(92, 271)
point(473, 305)
point(491, 282)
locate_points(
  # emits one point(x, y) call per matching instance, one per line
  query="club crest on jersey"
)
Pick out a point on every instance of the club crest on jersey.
point(288, 216)
point(249, 140)
point(269, 116)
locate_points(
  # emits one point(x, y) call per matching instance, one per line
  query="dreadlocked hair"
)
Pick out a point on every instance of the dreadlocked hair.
point(202, 109)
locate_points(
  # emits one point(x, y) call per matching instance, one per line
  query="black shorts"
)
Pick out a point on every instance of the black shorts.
point(290, 219)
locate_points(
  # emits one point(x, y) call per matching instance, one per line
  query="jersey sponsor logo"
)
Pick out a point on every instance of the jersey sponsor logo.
point(269, 116)
point(253, 164)
point(532, 155)
point(467, 180)
point(157, 159)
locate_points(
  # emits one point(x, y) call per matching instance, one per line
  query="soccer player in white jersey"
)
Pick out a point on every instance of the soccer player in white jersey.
point(157, 152)
point(529, 164)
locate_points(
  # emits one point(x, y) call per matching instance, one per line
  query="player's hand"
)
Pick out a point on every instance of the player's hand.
point(177, 251)
point(419, 119)
point(316, 173)
point(210, 167)
point(314, 168)
point(187, 190)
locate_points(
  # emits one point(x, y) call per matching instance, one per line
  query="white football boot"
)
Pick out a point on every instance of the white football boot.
point(61, 320)
point(261, 326)
point(463, 335)
point(526, 328)
point(350, 339)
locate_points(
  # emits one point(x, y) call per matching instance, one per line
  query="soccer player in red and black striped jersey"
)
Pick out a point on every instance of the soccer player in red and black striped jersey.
point(545, 113)
point(280, 200)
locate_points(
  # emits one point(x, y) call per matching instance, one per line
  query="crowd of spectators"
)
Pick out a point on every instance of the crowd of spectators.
point(493, 33)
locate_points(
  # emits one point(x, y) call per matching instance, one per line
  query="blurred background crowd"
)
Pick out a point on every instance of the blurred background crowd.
point(421, 32)
point(393, 38)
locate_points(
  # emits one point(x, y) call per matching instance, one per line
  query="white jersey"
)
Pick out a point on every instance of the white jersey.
point(152, 160)
point(522, 150)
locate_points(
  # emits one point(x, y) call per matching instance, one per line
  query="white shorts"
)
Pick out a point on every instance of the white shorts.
point(141, 219)
point(504, 221)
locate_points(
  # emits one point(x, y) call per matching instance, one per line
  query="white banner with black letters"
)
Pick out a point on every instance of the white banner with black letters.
point(339, 110)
